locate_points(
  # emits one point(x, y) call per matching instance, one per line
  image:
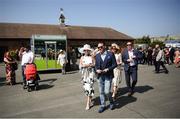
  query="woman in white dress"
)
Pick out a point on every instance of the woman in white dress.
point(62, 60)
point(117, 71)
point(87, 66)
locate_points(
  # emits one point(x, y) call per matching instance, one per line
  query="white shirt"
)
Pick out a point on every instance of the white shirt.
point(27, 57)
point(160, 56)
point(103, 56)
point(131, 55)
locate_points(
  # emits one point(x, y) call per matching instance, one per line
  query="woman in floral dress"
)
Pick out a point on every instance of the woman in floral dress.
point(87, 69)
point(10, 71)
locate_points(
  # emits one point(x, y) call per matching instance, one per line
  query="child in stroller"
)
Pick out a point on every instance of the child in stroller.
point(32, 77)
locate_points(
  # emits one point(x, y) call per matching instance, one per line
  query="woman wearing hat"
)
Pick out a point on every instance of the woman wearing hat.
point(117, 71)
point(87, 63)
point(62, 61)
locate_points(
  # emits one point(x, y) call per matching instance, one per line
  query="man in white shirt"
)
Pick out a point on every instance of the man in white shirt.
point(27, 57)
point(130, 58)
point(160, 60)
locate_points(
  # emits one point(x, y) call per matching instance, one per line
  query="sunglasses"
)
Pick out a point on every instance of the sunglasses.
point(100, 47)
point(113, 47)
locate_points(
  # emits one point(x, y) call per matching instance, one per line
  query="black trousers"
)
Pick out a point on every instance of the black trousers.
point(172, 59)
point(155, 65)
point(161, 63)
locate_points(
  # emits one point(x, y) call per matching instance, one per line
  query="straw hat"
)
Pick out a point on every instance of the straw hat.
point(85, 47)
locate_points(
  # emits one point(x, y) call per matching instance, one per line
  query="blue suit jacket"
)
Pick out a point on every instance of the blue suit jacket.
point(125, 57)
point(109, 62)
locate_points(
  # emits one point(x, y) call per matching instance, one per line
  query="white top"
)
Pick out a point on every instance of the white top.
point(131, 55)
point(103, 56)
point(27, 57)
point(160, 56)
point(61, 59)
point(87, 60)
point(118, 58)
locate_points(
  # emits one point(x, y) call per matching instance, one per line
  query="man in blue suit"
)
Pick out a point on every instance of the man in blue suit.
point(105, 63)
point(130, 59)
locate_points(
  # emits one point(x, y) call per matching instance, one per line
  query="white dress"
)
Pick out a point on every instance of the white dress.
point(61, 59)
point(88, 76)
point(117, 71)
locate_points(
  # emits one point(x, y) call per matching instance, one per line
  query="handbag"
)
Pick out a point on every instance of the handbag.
point(15, 66)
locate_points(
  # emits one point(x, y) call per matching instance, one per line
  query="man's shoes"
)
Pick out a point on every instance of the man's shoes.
point(130, 93)
point(111, 107)
point(101, 109)
point(166, 72)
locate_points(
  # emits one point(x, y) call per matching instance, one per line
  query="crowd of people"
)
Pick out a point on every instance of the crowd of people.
point(105, 65)
point(148, 55)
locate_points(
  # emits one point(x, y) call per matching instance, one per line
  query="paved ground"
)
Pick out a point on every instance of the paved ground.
point(157, 95)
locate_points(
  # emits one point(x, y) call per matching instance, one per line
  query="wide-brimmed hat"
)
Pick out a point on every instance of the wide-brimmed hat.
point(115, 45)
point(61, 51)
point(85, 47)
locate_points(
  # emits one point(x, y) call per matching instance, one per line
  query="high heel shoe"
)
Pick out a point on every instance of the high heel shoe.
point(87, 108)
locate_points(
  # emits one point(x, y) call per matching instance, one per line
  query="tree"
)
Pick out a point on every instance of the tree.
point(161, 44)
point(143, 40)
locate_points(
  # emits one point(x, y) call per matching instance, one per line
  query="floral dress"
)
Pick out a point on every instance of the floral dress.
point(88, 76)
point(10, 72)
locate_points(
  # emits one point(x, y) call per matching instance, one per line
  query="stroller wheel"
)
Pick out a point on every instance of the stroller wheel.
point(24, 87)
point(29, 89)
point(35, 88)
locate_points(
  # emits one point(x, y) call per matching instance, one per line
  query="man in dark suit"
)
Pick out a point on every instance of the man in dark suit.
point(171, 54)
point(130, 59)
point(105, 63)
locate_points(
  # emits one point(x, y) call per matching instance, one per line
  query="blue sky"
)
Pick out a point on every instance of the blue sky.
point(133, 17)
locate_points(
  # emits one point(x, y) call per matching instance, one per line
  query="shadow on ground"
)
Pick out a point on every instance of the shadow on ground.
point(48, 80)
point(122, 100)
point(72, 72)
point(2, 81)
point(44, 86)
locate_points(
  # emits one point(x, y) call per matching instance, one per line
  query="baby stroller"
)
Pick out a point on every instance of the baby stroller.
point(31, 77)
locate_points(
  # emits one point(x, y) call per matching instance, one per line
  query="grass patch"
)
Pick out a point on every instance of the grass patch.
point(41, 64)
